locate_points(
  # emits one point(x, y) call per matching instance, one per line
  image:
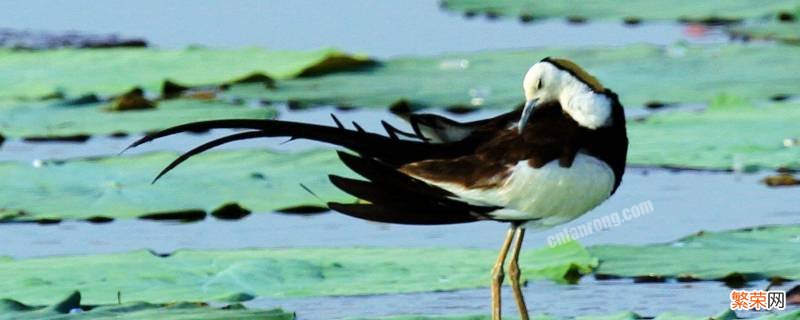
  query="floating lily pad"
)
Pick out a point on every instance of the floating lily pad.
point(119, 187)
point(71, 308)
point(748, 254)
point(53, 119)
point(684, 10)
point(640, 74)
point(75, 72)
point(625, 315)
point(454, 317)
point(787, 31)
point(228, 275)
point(728, 135)
point(723, 137)
point(725, 315)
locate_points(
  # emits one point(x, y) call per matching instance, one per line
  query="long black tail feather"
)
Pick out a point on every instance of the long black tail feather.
point(207, 146)
point(388, 190)
point(390, 150)
point(399, 214)
point(394, 197)
point(384, 175)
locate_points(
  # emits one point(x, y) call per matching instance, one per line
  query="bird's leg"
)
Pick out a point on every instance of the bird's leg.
point(514, 273)
point(497, 273)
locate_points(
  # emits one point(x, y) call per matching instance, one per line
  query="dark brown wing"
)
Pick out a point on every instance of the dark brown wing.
point(550, 135)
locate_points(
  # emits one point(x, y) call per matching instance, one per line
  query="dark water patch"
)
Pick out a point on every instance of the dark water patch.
point(654, 105)
point(785, 16)
point(230, 211)
point(336, 64)
point(77, 138)
point(603, 277)
point(177, 216)
point(99, 219)
point(344, 108)
point(576, 20)
point(48, 221)
point(82, 100)
point(171, 89)
point(304, 210)
point(780, 97)
point(460, 110)
point(160, 254)
point(632, 21)
point(673, 168)
point(23, 39)
point(687, 279)
point(37, 148)
point(649, 279)
point(712, 21)
point(739, 280)
point(256, 77)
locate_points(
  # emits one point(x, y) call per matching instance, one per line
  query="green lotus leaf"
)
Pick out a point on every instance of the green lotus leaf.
point(71, 308)
point(296, 272)
point(456, 317)
point(119, 187)
point(747, 254)
point(728, 135)
point(684, 10)
point(54, 119)
point(782, 26)
point(725, 315)
point(640, 74)
point(626, 315)
point(786, 32)
point(75, 72)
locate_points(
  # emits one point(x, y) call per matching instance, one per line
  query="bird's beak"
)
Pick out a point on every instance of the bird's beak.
point(526, 113)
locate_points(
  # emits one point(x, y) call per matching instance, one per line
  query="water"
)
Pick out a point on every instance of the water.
point(742, 201)
point(684, 202)
point(590, 297)
point(378, 28)
point(370, 119)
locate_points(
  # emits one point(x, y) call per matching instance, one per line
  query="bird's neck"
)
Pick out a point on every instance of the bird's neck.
point(586, 107)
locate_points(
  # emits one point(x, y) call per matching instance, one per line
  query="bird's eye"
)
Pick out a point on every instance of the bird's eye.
point(541, 83)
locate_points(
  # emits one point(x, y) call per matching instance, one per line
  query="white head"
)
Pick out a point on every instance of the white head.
point(579, 94)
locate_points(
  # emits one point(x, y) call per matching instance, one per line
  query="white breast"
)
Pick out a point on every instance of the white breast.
point(550, 195)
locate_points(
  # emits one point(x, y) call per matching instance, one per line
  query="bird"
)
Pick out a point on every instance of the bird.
point(548, 161)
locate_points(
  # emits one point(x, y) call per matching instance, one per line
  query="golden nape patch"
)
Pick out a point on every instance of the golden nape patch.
point(582, 75)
